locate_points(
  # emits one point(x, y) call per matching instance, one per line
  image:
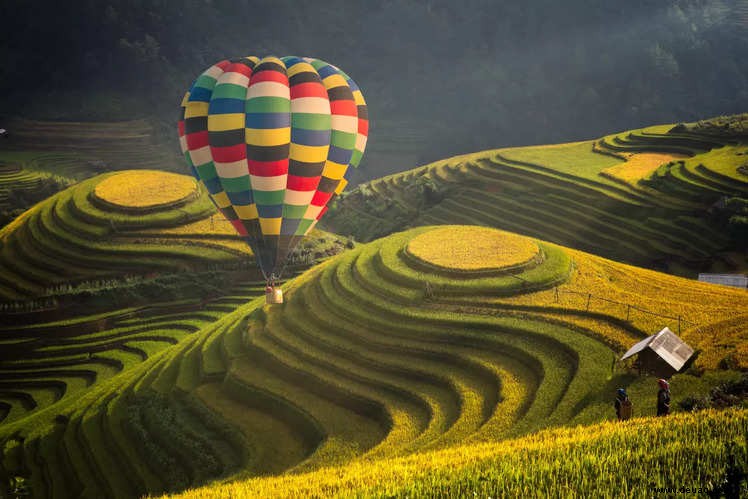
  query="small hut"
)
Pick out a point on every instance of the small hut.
point(662, 354)
point(735, 280)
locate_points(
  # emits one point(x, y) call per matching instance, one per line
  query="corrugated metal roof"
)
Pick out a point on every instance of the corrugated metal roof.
point(667, 345)
point(735, 280)
point(637, 348)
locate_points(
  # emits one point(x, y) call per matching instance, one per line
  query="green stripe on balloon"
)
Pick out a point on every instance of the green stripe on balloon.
point(238, 184)
point(308, 121)
point(291, 211)
point(207, 171)
point(343, 140)
point(303, 226)
point(268, 105)
point(356, 158)
point(270, 198)
point(229, 91)
point(205, 81)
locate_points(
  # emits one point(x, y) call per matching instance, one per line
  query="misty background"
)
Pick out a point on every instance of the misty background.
point(440, 77)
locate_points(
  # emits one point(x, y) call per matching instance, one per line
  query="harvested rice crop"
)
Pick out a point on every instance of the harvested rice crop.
point(472, 248)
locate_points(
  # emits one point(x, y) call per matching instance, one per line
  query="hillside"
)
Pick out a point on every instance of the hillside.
point(534, 466)
point(128, 225)
point(390, 349)
point(652, 197)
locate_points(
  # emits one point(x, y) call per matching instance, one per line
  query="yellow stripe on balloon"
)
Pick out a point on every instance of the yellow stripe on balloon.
point(301, 67)
point(334, 80)
point(270, 226)
point(308, 154)
point(185, 99)
point(268, 136)
point(341, 186)
point(359, 98)
point(334, 170)
point(196, 109)
point(221, 199)
point(246, 212)
point(223, 122)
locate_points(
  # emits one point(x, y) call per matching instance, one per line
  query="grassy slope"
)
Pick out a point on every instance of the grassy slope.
point(331, 376)
point(561, 193)
point(359, 364)
point(72, 238)
point(604, 460)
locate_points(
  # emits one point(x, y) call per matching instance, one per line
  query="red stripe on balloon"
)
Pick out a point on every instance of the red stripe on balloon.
point(296, 183)
point(197, 140)
point(239, 226)
point(223, 64)
point(180, 126)
point(322, 212)
point(344, 107)
point(309, 89)
point(321, 198)
point(363, 127)
point(270, 75)
point(240, 68)
point(228, 154)
point(268, 168)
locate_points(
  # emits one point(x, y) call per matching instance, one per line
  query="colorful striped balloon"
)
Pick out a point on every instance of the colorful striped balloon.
point(272, 140)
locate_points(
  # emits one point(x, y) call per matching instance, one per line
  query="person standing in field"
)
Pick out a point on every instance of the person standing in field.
point(623, 405)
point(663, 398)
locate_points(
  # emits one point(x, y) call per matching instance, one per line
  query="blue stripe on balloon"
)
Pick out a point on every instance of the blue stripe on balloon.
point(291, 60)
point(352, 84)
point(326, 71)
point(270, 211)
point(310, 137)
point(226, 106)
point(241, 198)
point(268, 120)
point(200, 94)
point(213, 185)
point(340, 155)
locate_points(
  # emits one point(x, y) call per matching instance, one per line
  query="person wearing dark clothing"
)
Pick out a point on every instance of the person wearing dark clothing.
point(623, 405)
point(663, 398)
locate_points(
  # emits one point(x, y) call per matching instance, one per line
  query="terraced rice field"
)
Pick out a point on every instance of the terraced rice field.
point(547, 464)
point(118, 145)
point(81, 236)
point(14, 178)
point(364, 363)
point(73, 237)
point(566, 194)
point(44, 363)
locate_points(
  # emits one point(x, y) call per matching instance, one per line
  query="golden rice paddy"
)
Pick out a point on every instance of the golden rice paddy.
point(472, 248)
point(640, 165)
point(145, 189)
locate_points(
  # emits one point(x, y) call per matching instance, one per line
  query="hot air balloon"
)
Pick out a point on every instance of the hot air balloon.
point(272, 140)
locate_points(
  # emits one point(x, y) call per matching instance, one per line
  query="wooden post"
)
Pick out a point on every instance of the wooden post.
point(628, 312)
point(589, 297)
point(556, 293)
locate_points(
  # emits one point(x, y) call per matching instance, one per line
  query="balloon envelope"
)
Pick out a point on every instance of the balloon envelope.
point(272, 140)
